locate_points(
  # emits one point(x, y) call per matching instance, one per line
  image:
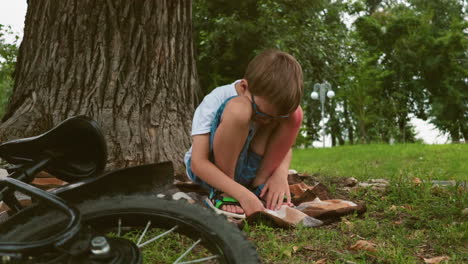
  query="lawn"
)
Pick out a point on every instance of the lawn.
point(408, 222)
point(441, 162)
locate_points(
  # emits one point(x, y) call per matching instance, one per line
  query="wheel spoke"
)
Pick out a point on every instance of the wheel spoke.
point(157, 237)
point(187, 251)
point(119, 226)
point(144, 232)
point(199, 260)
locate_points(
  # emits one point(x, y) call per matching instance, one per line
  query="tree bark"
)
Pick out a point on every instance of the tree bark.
point(464, 130)
point(127, 64)
point(362, 129)
point(455, 133)
point(349, 126)
point(402, 121)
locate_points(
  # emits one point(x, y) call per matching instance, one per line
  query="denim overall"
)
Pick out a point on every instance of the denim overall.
point(247, 163)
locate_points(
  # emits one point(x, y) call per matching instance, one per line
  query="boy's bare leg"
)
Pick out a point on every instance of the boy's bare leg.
point(277, 145)
point(230, 138)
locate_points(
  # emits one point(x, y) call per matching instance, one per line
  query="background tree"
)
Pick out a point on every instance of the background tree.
point(8, 54)
point(443, 64)
point(229, 34)
point(398, 60)
point(127, 64)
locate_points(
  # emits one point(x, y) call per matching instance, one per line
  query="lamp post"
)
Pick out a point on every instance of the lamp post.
point(320, 90)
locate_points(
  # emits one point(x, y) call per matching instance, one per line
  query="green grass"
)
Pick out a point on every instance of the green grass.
point(407, 222)
point(167, 249)
point(425, 222)
point(442, 162)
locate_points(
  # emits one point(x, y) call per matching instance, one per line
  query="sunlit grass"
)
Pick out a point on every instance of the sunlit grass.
point(166, 249)
point(441, 162)
point(408, 222)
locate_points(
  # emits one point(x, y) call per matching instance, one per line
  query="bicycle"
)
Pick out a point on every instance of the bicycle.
point(90, 219)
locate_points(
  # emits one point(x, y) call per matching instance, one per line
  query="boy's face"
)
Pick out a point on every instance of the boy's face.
point(264, 111)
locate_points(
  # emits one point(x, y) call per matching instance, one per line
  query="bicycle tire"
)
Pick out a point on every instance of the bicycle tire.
point(217, 233)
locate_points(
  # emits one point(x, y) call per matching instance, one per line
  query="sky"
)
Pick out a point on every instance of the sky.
point(13, 12)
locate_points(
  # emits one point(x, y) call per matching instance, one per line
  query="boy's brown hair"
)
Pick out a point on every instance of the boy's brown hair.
point(277, 76)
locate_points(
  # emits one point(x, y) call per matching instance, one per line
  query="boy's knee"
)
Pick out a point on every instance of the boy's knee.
point(238, 111)
point(295, 119)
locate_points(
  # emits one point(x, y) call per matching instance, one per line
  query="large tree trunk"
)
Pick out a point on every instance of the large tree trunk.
point(127, 64)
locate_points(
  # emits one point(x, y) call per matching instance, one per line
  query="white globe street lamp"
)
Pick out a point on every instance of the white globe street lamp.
point(314, 95)
point(320, 90)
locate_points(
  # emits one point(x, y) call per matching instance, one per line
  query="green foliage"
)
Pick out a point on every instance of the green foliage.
point(406, 222)
point(225, 38)
point(425, 50)
point(444, 67)
point(439, 162)
point(229, 34)
point(8, 53)
point(399, 59)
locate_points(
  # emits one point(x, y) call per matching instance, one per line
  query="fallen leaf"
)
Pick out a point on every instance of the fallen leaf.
point(350, 182)
point(381, 181)
point(295, 248)
point(286, 252)
point(407, 206)
point(308, 248)
point(393, 208)
point(436, 260)
point(465, 211)
point(417, 181)
point(364, 245)
point(398, 222)
point(321, 261)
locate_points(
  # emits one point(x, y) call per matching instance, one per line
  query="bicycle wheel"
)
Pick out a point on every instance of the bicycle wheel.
point(213, 239)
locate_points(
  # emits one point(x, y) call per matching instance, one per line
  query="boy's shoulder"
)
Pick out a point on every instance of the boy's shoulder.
point(239, 108)
point(206, 111)
point(224, 91)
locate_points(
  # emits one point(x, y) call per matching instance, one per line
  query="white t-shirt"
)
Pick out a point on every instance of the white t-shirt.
point(206, 111)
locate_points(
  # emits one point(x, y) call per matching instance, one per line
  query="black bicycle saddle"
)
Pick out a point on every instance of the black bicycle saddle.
point(77, 146)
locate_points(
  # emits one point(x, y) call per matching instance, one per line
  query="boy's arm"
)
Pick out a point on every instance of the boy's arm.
point(277, 158)
point(276, 187)
point(211, 174)
point(281, 141)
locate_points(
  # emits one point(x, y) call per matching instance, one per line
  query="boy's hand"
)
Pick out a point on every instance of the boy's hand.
point(251, 204)
point(276, 187)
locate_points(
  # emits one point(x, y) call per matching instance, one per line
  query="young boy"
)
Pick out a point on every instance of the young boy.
point(242, 136)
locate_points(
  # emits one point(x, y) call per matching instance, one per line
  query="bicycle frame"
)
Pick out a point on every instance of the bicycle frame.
point(149, 178)
point(74, 151)
point(12, 183)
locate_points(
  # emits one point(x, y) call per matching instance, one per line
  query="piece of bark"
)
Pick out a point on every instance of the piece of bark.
point(330, 215)
point(321, 191)
point(299, 188)
point(286, 217)
point(307, 196)
point(47, 183)
point(191, 187)
point(293, 178)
